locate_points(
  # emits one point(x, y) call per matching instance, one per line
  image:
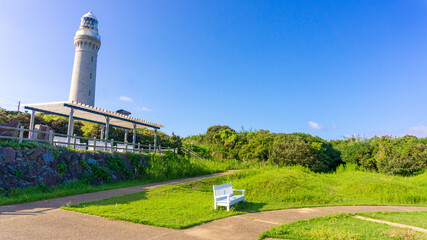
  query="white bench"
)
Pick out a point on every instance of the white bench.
point(223, 195)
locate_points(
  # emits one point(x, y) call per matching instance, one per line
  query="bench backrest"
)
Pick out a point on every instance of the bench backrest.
point(223, 189)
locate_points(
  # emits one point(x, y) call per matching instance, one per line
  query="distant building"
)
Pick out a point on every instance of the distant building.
point(124, 112)
point(87, 43)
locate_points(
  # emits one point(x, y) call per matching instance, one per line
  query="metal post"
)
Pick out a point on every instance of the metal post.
point(51, 137)
point(74, 141)
point(134, 137)
point(21, 134)
point(102, 131)
point(149, 148)
point(94, 144)
point(70, 126)
point(155, 140)
point(112, 146)
point(139, 147)
point(30, 134)
point(126, 140)
point(107, 126)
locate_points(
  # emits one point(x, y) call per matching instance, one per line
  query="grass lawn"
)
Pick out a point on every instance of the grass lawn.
point(266, 189)
point(417, 219)
point(339, 227)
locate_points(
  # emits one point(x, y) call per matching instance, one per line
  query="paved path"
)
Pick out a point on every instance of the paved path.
point(44, 219)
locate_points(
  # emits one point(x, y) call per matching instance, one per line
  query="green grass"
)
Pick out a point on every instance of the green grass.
point(158, 170)
point(339, 227)
point(417, 219)
point(266, 189)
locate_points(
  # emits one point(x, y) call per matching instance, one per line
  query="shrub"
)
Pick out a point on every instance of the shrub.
point(286, 153)
point(402, 156)
point(100, 173)
point(359, 153)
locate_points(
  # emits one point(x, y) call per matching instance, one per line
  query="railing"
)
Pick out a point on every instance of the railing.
point(191, 152)
point(82, 143)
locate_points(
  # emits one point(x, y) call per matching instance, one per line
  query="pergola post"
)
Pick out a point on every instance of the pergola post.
point(102, 131)
point(107, 126)
point(70, 125)
point(155, 140)
point(126, 140)
point(134, 135)
point(30, 134)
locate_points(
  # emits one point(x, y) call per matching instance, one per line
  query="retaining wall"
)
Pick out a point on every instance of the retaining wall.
point(20, 168)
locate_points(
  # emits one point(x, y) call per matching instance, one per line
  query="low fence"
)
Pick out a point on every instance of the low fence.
point(77, 142)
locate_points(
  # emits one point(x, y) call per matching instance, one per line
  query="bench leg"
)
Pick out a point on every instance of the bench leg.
point(215, 206)
point(228, 208)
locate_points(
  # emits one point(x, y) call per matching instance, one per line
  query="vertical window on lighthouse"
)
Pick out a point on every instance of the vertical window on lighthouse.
point(91, 59)
point(90, 75)
point(89, 92)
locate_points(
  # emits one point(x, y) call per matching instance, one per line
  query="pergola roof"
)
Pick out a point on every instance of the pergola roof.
point(91, 114)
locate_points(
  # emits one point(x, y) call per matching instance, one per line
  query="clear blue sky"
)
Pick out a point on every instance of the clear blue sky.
point(328, 68)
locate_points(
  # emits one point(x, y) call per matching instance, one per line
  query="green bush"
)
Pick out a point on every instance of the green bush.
point(360, 153)
point(100, 173)
point(402, 156)
point(287, 153)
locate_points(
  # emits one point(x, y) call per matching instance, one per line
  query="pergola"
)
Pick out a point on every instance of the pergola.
point(74, 110)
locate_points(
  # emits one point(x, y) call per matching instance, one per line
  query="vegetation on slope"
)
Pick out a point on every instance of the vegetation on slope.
point(266, 189)
point(397, 156)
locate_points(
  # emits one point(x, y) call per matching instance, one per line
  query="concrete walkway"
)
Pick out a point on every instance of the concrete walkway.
point(44, 219)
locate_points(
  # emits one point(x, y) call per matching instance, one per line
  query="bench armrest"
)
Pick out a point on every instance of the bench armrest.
point(240, 190)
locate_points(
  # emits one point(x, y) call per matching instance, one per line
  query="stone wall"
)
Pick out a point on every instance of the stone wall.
point(20, 168)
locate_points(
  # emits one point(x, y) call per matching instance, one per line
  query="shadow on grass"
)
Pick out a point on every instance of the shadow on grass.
point(247, 207)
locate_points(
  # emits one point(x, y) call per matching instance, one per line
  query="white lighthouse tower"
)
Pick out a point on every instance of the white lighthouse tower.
point(87, 42)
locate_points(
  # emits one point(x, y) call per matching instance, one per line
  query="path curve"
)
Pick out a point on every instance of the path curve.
point(44, 219)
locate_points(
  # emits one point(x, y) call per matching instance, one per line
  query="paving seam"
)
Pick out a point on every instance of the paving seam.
point(392, 224)
point(255, 219)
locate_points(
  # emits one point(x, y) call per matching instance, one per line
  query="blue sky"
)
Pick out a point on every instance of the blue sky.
point(328, 68)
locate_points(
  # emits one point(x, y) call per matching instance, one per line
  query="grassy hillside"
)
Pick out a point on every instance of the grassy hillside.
point(266, 189)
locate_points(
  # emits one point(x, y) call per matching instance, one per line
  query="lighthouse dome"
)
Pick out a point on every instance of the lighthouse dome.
point(89, 26)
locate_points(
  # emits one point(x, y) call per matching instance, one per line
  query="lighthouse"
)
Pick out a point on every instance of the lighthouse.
point(87, 43)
